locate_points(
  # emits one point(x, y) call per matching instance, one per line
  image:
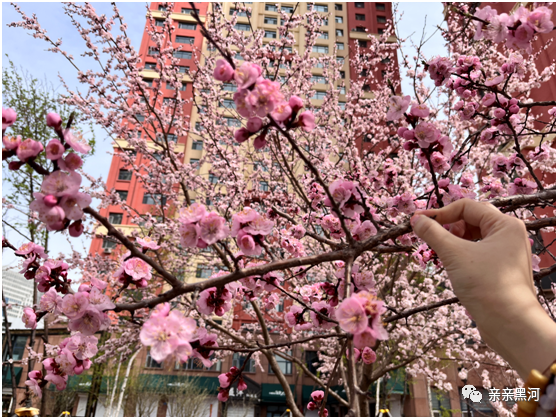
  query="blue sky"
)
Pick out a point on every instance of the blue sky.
point(30, 54)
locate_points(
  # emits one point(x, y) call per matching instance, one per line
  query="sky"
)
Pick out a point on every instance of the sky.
point(30, 54)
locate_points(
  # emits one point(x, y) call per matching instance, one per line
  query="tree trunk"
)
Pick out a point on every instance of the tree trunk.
point(125, 382)
point(114, 388)
point(96, 379)
point(10, 356)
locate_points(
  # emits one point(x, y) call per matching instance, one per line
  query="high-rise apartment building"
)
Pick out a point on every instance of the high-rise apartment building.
point(18, 292)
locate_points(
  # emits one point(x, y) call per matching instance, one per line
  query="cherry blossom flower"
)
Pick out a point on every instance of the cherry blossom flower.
point(29, 318)
point(351, 316)
point(368, 355)
point(75, 305)
point(90, 322)
point(364, 231)
point(282, 112)
point(306, 120)
point(214, 300)
point(319, 321)
point(397, 107)
point(53, 120)
point(213, 228)
point(11, 143)
point(74, 204)
point(426, 133)
point(59, 183)
point(28, 149)
point(99, 300)
point(9, 116)
point(223, 71)
point(147, 243)
point(247, 244)
point(51, 300)
point(265, 97)
point(246, 75)
point(253, 125)
point(77, 142)
point(33, 384)
point(242, 134)
point(54, 149)
point(138, 269)
point(521, 186)
point(82, 346)
point(420, 110)
point(189, 235)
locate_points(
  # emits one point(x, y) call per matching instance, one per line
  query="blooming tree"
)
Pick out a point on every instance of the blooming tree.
point(330, 238)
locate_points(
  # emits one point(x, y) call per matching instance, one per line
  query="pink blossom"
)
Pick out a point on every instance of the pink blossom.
point(242, 134)
point(296, 318)
point(76, 229)
point(540, 21)
point(53, 120)
point(224, 380)
point(54, 149)
point(31, 247)
point(368, 355)
point(247, 244)
point(253, 125)
point(397, 107)
point(241, 386)
point(160, 334)
point(306, 121)
point(29, 318)
point(247, 74)
point(265, 97)
point(317, 396)
point(66, 361)
point(73, 205)
point(98, 283)
point(242, 106)
point(223, 395)
point(282, 112)
point(78, 143)
point(223, 71)
point(351, 316)
point(259, 226)
point(364, 231)
point(213, 228)
point(426, 133)
point(82, 346)
point(138, 269)
point(440, 69)
point(439, 162)
point(29, 149)
point(59, 183)
point(296, 103)
point(189, 234)
point(311, 406)
point(9, 116)
point(260, 141)
point(489, 136)
point(51, 300)
point(99, 300)
point(486, 13)
point(521, 186)
point(214, 300)
point(11, 143)
point(33, 384)
point(500, 165)
point(497, 30)
point(421, 111)
point(535, 260)
point(147, 243)
point(319, 321)
point(71, 162)
point(521, 38)
point(74, 305)
point(90, 322)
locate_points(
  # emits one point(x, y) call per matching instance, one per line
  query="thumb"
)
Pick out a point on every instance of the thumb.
point(436, 236)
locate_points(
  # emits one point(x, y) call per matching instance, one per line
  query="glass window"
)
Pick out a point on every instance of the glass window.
point(159, 22)
point(185, 39)
point(213, 179)
point(260, 165)
point(240, 358)
point(172, 138)
point(150, 66)
point(340, 45)
point(124, 174)
point(154, 199)
point(187, 25)
point(319, 95)
point(340, 60)
point(194, 162)
point(362, 43)
point(203, 271)
point(380, 31)
point(195, 364)
point(381, 19)
point(242, 27)
point(338, 32)
point(368, 138)
point(18, 348)
point(312, 358)
point(232, 122)
point(338, 19)
point(318, 79)
point(325, 21)
point(228, 103)
point(380, 6)
point(153, 51)
point(171, 87)
point(270, 20)
point(338, 7)
point(151, 363)
point(162, 8)
point(239, 12)
point(287, 9)
point(359, 29)
point(342, 74)
point(359, 16)
point(187, 10)
point(270, 34)
point(123, 195)
point(320, 48)
point(285, 366)
point(440, 402)
point(342, 91)
point(115, 218)
point(197, 145)
point(359, 5)
point(108, 244)
point(264, 186)
point(342, 105)
point(323, 35)
point(229, 87)
point(270, 7)
point(183, 69)
point(320, 8)
point(185, 55)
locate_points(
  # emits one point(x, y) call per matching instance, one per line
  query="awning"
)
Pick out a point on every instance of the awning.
point(82, 383)
point(273, 393)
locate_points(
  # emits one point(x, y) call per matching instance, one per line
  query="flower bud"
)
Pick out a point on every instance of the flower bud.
point(15, 165)
point(50, 200)
point(53, 120)
point(76, 228)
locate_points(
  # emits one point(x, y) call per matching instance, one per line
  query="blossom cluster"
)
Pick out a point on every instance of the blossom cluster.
point(250, 228)
point(317, 399)
point(226, 380)
point(258, 98)
point(517, 29)
point(59, 204)
point(199, 228)
point(133, 270)
point(71, 358)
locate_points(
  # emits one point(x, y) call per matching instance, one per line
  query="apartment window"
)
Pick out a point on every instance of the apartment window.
point(153, 51)
point(338, 7)
point(229, 87)
point(362, 43)
point(381, 19)
point(239, 13)
point(342, 105)
point(115, 218)
point(238, 56)
point(172, 138)
point(270, 7)
point(18, 348)
point(325, 21)
point(108, 244)
point(239, 360)
point(321, 49)
point(185, 39)
point(386, 60)
point(380, 6)
point(187, 10)
point(321, 8)
point(232, 122)
point(123, 195)
point(342, 74)
point(154, 199)
point(187, 25)
point(338, 32)
point(279, 307)
point(124, 174)
point(323, 35)
point(203, 271)
point(183, 69)
point(196, 365)
point(285, 366)
point(319, 95)
point(340, 60)
point(260, 165)
point(384, 74)
point(197, 145)
point(213, 179)
point(318, 79)
point(228, 103)
point(440, 402)
point(368, 138)
point(340, 45)
point(150, 66)
point(171, 87)
point(380, 31)
point(151, 363)
point(342, 91)
point(270, 20)
point(311, 360)
point(359, 16)
point(194, 162)
point(159, 22)
point(184, 55)
point(338, 19)
point(359, 29)
point(169, 101)
point(270, 34)
point(242, 27)
point(264, 186)
point(287, 9)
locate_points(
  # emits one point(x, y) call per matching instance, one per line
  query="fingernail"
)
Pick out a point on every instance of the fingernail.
point(414, 219)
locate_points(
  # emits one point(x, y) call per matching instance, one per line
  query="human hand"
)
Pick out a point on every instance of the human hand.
point(492, 277)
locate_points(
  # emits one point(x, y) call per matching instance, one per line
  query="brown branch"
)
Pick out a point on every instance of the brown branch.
point(326, 392)
point(542, 223)
point(427, 307)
